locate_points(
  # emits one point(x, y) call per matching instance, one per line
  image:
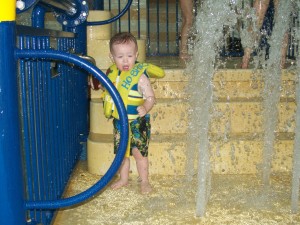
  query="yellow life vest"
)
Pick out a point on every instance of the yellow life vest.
point(126, 83)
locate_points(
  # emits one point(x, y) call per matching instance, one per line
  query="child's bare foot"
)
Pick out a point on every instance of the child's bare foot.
point(118, 184)
point(145, 187)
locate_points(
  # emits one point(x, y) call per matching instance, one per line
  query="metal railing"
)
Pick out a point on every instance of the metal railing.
point(159, 22)
point(93, 70)
point(53, 107)
point(155, 21)
point(53, 103)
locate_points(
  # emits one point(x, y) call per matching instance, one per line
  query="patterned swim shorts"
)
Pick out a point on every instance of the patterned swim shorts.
point(140, 134)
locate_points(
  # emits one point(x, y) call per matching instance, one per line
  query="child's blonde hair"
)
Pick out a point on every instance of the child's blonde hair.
point(122, 38)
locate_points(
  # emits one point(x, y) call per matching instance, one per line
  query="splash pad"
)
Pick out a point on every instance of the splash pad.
point(231, 177)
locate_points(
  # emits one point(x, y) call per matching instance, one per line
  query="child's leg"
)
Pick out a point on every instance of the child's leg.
point(124, 174)
point(143, 170)
point(187, 22)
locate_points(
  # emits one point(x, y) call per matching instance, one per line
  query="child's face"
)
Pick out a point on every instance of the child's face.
point(124, 55)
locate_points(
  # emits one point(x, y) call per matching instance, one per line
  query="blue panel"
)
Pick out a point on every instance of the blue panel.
point(11, 183)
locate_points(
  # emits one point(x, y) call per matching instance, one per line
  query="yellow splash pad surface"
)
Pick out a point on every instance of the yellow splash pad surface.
point(234, 199)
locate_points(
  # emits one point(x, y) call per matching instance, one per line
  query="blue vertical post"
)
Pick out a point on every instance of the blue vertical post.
point(38, 17)
point(98, 5)
point(12, 207)
point(80, 47)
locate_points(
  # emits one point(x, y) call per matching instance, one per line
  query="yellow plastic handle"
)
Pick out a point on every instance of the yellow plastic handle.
point(155, 71)
point(108, 106)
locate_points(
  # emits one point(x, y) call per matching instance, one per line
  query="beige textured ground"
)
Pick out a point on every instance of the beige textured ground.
point(234, 199)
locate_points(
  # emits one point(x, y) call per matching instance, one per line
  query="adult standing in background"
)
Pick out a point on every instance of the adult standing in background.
point(261, 7)
point(187, 22)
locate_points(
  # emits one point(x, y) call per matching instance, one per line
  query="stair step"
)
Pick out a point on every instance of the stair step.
point(160, 115)
point(229, 85)
point(167, 155)
point(170, 116)
point(173, 85)
point(235, 134)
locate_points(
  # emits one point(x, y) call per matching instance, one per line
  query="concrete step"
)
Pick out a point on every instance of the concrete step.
point(229, 85)
point(247, 85)
point(173, 85)
point(170, 116)
point(160, 117)
point(235, 134)
point(167, 155)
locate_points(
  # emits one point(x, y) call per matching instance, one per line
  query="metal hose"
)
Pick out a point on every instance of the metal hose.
point(65, 6)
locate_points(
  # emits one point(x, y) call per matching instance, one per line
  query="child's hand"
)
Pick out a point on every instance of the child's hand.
point(142, 111)
point(94, 83)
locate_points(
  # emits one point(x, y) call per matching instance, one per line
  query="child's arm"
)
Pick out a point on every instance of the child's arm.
point(145, 88)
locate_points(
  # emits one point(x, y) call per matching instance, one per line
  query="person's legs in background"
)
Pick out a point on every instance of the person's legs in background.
point(187, 22)
point(260, 7)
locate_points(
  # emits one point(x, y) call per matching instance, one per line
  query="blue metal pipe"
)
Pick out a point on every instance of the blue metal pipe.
point(38, 17)
point(49, 105)
point(167, 27)
point(79, 46)
point(12, 210)
point(119, 22)
point(157, 26)
point(68, 12)
point(26, 144)
point(98, 5)
point(36, 152)
point(68, 7)
point(139, 20)
point(90, 68)
point(113, 19)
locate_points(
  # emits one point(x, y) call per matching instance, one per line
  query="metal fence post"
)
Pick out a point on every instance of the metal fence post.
point(12, 208)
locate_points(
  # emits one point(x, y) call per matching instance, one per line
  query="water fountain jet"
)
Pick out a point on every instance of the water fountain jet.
point(211, 19)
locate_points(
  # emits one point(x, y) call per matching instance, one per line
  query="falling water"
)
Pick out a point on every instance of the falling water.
point(296, 158)
point(272, 81)
point(211, 18)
